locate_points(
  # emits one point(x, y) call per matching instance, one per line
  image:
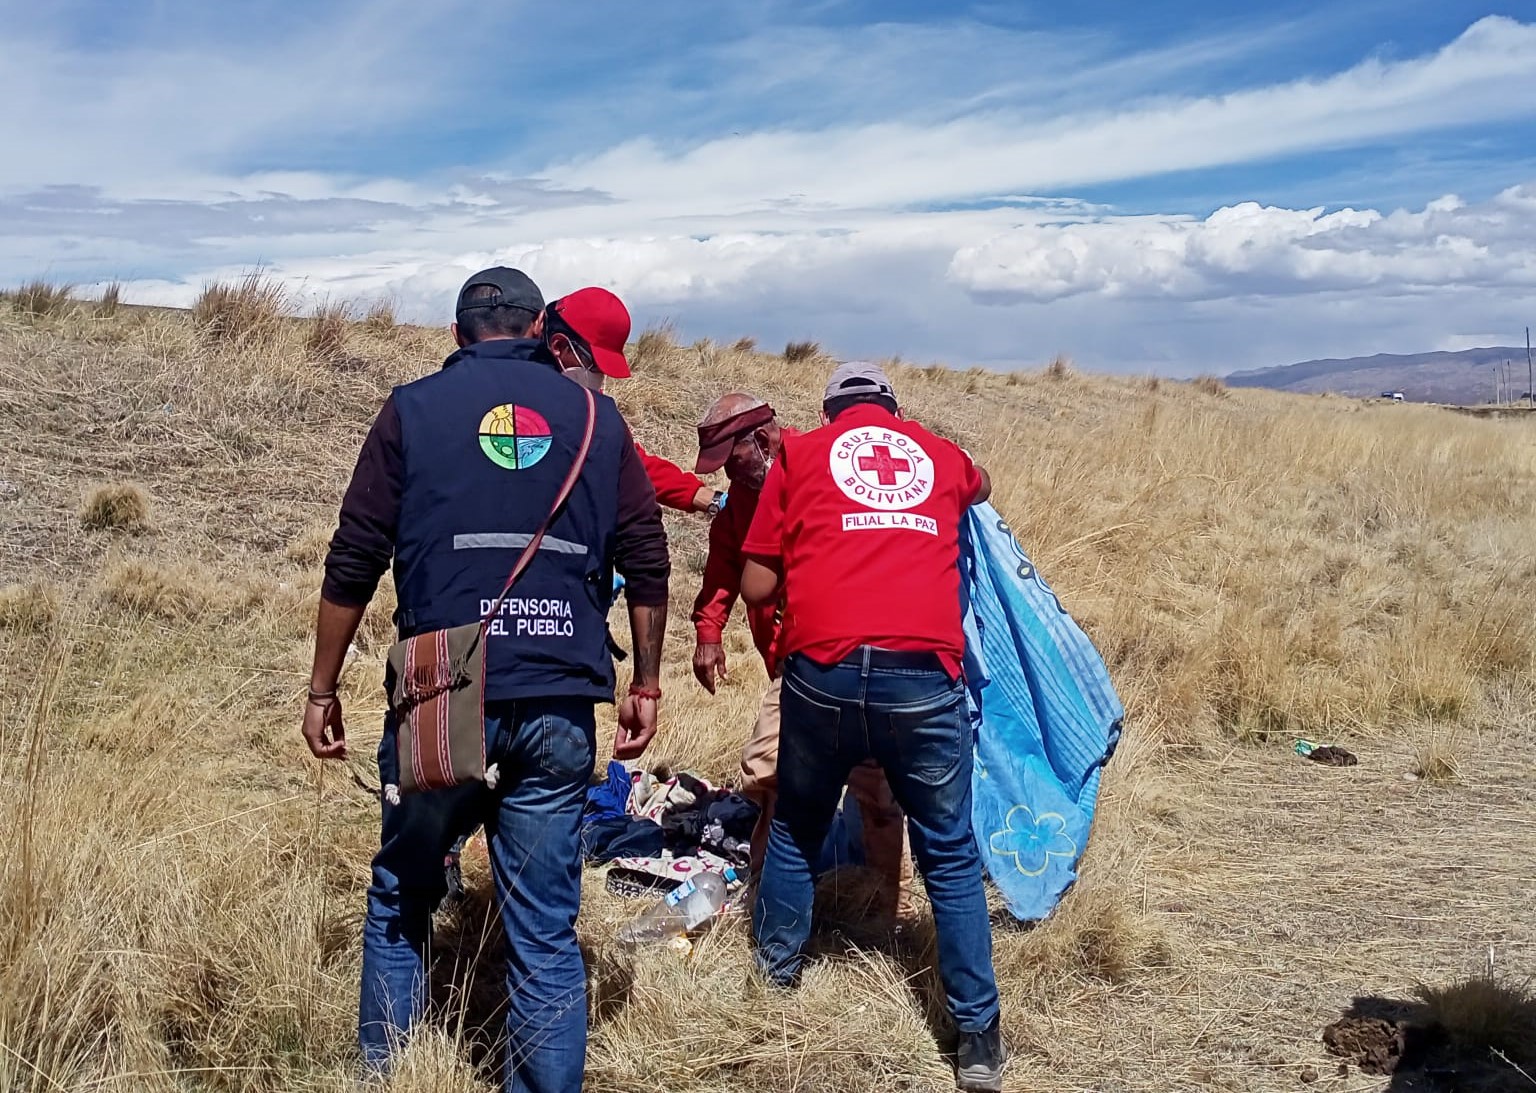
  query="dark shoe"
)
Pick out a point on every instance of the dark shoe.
point(979, 1061)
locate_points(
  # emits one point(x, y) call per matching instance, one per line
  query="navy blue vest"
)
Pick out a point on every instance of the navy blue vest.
point(486, 443)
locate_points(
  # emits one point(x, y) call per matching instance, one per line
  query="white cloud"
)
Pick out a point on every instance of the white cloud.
point(1252, 250)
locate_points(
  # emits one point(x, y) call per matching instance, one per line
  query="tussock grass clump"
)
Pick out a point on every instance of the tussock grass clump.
point(1059, 368)
point(29, 608)
point(326, 339)
point(177, 592)
point(796, 352)
point(1098, 934)
point(744, 345)
point(706, 352)
point(111, 299)
point(40, 298)
point(655, 342)
point(120, 506)
point(380, 316)
point(1485, 1013)
point(709, 1023)
point(249, 311)
point(1437, 758)
point(1209, 385)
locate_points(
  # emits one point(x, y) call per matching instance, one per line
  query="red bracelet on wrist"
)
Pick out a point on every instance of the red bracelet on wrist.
point(645, 692)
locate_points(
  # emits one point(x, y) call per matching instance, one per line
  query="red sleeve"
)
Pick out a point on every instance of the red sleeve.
point(675, 487)
point(972, 477)
point(722, 580)
point(765, 539)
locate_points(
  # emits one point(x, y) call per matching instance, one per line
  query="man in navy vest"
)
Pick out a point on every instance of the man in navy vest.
point(459, 469)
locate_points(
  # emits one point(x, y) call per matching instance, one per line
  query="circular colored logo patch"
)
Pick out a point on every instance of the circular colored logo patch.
point(881, 468)
point(514, 437)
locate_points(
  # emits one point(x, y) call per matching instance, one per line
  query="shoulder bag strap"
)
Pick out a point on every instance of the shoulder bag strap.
point(565, 491)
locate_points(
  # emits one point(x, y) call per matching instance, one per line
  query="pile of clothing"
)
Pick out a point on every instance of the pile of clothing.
point(657, 832)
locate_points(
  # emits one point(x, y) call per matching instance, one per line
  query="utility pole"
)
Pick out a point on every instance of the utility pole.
point(1530, 388)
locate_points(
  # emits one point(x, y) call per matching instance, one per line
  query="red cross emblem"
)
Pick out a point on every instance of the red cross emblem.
point(883, 464)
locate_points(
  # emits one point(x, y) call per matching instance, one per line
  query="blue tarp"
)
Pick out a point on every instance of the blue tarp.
point(1047, 720)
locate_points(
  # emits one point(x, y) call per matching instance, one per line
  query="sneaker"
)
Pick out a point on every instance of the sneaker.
point(979, 1061)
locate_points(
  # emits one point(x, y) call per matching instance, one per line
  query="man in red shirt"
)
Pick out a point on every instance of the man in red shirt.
point(740, 433)
point(858, 530)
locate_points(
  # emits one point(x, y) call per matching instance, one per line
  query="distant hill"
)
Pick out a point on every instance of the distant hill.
point(1463, 378)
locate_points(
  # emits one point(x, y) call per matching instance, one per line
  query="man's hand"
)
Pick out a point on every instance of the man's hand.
point(323, 730)
point(709, 664)
point(637, 724)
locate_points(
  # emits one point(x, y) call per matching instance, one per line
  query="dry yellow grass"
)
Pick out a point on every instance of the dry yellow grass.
point(380, 316)
point(28, 608)
point(119, 506)
point(329, 326)
point(1483, 1013)
point(40, 298)
point(111, 300)
point(246, 312)
point(180, 886)
point(796, 352)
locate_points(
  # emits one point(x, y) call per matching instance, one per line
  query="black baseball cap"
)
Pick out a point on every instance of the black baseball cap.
point(514, 288)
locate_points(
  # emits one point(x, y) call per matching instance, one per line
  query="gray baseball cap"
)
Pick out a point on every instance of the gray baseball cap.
point(858, 378)
point(514, 288)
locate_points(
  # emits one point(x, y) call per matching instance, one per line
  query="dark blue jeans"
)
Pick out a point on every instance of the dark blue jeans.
point(545, 750)
point(905, 711)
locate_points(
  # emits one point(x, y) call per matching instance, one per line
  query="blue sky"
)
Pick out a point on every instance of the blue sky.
point(1178, 187)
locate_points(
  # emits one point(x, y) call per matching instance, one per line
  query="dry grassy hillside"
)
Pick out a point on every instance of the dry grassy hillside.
point(181, 886)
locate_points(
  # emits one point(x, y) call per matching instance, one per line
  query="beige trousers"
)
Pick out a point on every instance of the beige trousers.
point(884, 825)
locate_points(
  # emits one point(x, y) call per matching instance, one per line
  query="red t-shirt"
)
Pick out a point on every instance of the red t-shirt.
point(864, 517)
point(722, 577)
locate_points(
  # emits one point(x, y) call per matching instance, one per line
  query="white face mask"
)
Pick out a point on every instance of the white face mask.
point(581, 372)
point(586, 377)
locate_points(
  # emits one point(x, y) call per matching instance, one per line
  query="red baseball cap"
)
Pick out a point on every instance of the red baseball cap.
point(601, 320)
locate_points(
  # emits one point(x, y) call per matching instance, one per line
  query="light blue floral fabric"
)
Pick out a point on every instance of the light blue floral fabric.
point(1047, 719)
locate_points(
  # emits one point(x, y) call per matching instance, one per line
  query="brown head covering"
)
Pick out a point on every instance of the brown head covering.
point(718, 433)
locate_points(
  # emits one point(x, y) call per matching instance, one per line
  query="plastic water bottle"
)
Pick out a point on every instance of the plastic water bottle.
point(690, 904)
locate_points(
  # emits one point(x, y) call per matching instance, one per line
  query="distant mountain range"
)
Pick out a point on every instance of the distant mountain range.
point(1463, 378)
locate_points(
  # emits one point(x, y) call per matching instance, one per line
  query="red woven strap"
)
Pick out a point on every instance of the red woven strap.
point(426, 657)
point(565, 491)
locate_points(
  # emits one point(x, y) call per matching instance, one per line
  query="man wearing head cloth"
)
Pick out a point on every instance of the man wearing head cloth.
point(740, 434)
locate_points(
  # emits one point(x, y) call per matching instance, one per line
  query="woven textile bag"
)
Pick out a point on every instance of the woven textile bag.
point(438, 696)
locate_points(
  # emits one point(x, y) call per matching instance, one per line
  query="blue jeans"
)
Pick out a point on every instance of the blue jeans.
point(545, 749)
point(905, 711)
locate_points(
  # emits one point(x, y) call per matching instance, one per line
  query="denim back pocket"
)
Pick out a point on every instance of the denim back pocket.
point(814, 721)
point(567, 745)
point(931, 738)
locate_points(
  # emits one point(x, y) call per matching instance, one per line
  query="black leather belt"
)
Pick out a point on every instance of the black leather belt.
point(893, 658)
